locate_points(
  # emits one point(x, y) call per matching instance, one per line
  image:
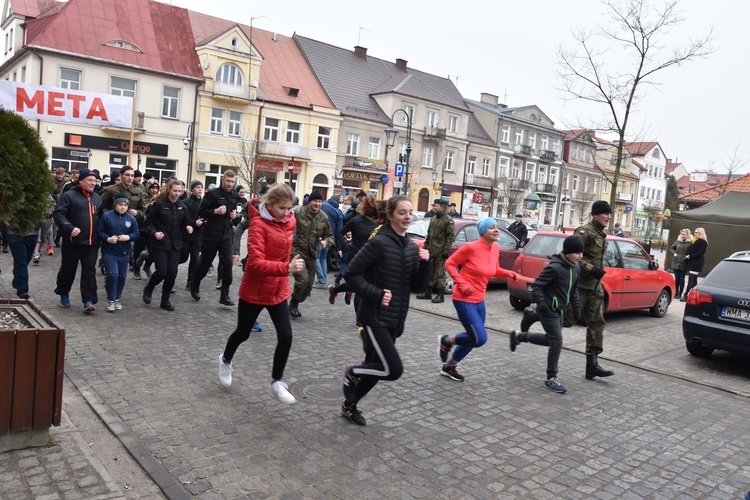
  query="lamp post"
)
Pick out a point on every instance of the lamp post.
point(442, 176)
point(390, 139)
point(187, 144)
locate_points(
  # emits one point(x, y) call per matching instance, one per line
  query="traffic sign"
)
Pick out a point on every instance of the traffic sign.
point(398, 184)
point(384, 179)
point(398, 170)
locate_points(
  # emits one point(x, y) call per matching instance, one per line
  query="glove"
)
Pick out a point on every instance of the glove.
point(576, 315)
point(597, 273)
point(445, 257)
point(542, 308)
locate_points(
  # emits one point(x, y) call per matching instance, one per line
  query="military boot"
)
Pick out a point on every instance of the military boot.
point(425, 295)
point(224, 298)
point(439, 299)
point(594, 370)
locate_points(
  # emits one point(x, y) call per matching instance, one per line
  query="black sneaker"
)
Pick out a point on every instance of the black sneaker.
point(332, 294)
point(444, 348)
point(294, 312)
point(451, 373)
point(350, 411)
point(513, 340)
point(349, 383)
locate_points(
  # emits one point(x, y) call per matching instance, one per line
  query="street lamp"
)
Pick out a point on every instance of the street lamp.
point(390, 139)
point(442, 176)
point(187, 144)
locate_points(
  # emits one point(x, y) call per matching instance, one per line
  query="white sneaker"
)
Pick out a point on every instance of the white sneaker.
point(225, 372)
point(118, 305)
point(281, 391)
point(111, 306)
point(37, 257)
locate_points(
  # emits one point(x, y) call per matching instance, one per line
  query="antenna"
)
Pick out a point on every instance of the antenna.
point(505, 96)
point(359, 36)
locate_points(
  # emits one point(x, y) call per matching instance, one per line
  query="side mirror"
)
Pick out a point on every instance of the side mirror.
point(654, 265)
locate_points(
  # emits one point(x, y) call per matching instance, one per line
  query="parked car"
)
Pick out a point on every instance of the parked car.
point(633, 280)
point(717, 312)
point(466, 232)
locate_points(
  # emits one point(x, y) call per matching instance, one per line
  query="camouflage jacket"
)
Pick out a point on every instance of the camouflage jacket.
point(440, 235)
point(311, 227)
point(134, 195)
point(595, 248)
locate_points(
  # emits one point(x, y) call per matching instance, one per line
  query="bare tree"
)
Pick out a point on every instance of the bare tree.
point(242, 159)
point(733, 164)
point(582, 206)
point(593, 73)
point(510, 198)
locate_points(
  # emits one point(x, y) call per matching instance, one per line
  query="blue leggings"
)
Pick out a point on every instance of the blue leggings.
point(472, 318)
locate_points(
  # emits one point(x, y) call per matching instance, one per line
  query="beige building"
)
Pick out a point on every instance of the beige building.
point(627, 185)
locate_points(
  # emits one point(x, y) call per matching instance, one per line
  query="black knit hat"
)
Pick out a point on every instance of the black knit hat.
point(195, 184)
point(121, 198)
point(600, 207)
point(315, 195)
point(572, 244)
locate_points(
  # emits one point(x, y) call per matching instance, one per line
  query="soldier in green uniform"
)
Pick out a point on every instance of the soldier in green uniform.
point(312, 228)
point(440, 236)
point(590, 290)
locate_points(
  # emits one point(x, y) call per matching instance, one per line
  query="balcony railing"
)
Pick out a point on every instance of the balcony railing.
point(546, 154)
point(522, 149)
point(478, 181)
point(221, 89)
point(434, 133)
point(653, 205)
point(286, 150)
point(546, 188)
point(518, 184)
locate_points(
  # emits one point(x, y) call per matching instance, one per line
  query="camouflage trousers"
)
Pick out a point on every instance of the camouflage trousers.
point(437, 282)
point(592, 311)
point(303, 280)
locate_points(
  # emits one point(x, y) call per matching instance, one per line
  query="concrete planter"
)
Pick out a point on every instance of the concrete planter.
point(32, 357)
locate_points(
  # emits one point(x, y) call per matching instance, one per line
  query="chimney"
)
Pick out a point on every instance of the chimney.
point(360, 52)
point(401, 64)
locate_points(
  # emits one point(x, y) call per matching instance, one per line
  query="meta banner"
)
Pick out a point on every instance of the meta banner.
point(38, 102)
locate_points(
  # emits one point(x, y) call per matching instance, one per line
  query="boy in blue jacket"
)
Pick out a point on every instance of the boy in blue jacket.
point(554, 290)
point(117, 228)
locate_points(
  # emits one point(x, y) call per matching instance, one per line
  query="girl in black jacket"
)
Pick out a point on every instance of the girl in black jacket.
point(384, 273)
point(695, 257)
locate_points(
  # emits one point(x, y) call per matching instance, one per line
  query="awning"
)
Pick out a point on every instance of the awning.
point(532, 197)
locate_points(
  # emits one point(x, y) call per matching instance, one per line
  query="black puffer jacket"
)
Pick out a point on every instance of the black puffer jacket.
point(218, 227)
point(168, 218)
point(75, 208)
point(387, 261)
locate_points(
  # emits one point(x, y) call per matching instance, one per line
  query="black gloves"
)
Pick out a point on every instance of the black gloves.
point(597, 273)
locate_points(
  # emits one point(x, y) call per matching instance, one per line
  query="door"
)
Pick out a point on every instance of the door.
point(640, 287)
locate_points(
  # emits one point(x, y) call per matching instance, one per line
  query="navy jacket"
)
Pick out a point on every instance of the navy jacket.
point(114, 224)
point(335, 217)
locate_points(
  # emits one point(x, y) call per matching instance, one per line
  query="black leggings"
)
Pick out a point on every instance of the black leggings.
point(247, 314)
point(382, 361)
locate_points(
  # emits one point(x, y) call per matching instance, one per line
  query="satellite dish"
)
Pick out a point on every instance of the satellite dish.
point(207, 62)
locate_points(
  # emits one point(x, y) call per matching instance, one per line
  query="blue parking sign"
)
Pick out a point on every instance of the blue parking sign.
point(398, 170)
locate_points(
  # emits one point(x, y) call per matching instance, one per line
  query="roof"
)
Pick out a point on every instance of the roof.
point(284, 66)
point(740, 185)
point(351, 81)
point(501, 109)
point(671, 166)
point(32, 8)
point(640, 148)
point(82, 28)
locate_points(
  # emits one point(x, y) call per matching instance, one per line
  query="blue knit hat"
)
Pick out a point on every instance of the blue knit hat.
point(484, 224)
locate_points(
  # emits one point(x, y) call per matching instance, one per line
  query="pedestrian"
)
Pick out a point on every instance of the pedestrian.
point(265, 283)
point(388, 268)
point(440, 236)
point(696, 258)
point(72, 181)
point(590, 290)
point(618, 231)
point(453, 212)
point(519, 229)
point(117, 228)
point(22, 249)
point(678, 250)
point(554, 291)
point(77, 217)
point(191, 243)
point(165, 220)
point(46, 236)
point(313, 230)
point(335, 218)
point(218, 208)
point(471, 268)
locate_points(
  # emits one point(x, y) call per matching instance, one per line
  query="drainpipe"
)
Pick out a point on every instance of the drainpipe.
point(193, 133)
point(257, 143)
point(41, 72)
point(463, 184)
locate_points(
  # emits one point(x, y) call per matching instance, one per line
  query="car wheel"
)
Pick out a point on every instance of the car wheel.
point(518, 304)
point(659, 309)
point(334, 261)
point(448, 285)
point(698, 350)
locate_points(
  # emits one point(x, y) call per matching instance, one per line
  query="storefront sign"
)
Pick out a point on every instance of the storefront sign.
point(361, 176)
point(278, 166)
point(123, 145)
point(39, 102)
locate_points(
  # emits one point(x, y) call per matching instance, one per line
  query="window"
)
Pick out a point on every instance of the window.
point(472, 165)
point(427, 157)
point(589, 157)
point(293, 130)
point(575, 182)
point(605, 188)
point(235, 123)
point(566, 181)
point(448, 163)
point(70, 79)
point(553, 171)
point(486, 167)
point(374, 147)
point(409, 111)
point(430, 119)
point(541, 176)
point(595, 185)
point(585, 184)
point(503, 165)
point(574, 151)
point(532, 139)
point(271, 130)
point(217, 121)
point(633, 256)
point(655, 153)
point(505, 134)
point(324, 137)
point(643, 192)
point(23, 74)
point(556, 146)
point(530, 171)
point(169, 102)
point(516, 172)
point(352, 144)
point(545, 142)
point(452, 123)
point(402, 150)
point(519, 136)
point(122, 86)
point(229, 73)
point(571, 221)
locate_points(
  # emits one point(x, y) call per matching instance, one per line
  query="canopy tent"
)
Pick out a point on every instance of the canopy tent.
point(727, 224)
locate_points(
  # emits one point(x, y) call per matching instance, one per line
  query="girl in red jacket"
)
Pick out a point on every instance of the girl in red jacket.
point(479, 262)
point(265, 283)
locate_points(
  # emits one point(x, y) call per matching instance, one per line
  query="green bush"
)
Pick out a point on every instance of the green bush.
point(25, 180)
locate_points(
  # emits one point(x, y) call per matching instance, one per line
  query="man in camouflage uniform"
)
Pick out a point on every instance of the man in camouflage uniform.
point(312, 228)
point(590, 290)
point(440, 236)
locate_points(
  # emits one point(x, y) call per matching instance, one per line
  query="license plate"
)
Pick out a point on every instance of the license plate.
point(735, 313)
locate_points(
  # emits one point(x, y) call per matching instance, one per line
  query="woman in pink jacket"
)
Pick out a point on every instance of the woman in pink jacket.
point(265, 283)
point(479, 262)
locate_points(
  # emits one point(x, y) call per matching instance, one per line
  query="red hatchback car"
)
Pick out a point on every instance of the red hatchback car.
point(633, 279)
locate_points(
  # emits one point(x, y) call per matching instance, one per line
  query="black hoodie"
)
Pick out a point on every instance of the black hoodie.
point(557, 286)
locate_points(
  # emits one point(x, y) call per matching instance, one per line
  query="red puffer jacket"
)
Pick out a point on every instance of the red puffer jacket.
point(269, 245)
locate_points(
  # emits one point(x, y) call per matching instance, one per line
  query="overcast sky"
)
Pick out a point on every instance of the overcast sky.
point(507, 48)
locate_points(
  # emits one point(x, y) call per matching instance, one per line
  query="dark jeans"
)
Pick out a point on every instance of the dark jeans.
point(139, 245)
point(679, 281)
point(116, 270)
point(552, 337)
point(209, 249)
point(22, 249)
point(165, 262)
point(191, 250)
point(71, 256)
point(382, 361)
point(247, 314)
